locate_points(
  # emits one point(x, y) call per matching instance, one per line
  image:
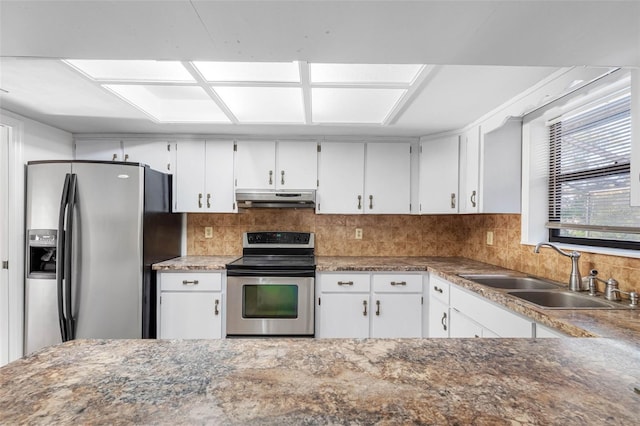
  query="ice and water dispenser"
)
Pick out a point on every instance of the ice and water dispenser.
point(41, 253)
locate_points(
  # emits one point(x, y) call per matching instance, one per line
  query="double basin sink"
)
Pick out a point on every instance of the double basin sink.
point(542, 293)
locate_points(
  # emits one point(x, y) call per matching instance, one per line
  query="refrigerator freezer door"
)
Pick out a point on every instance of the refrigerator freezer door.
point(107, 254)
point(44, 190)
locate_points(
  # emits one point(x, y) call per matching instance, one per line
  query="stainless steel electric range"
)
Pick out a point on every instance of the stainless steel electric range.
point(270, 289)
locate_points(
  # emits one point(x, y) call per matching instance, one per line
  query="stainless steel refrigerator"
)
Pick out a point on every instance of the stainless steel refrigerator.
point(93, 230)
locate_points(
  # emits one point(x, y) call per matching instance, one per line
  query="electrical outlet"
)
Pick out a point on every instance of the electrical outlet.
point(208, 231)
point(489, 238)
point(358, 233)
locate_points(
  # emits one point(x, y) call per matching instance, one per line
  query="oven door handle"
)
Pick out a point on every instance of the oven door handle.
point(263, 273)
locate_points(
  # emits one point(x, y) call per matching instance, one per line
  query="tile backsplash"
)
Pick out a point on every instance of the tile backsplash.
point(406, 235)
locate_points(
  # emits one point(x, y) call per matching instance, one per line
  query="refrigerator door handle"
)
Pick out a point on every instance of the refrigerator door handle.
point(64, 201)
point(68, 264)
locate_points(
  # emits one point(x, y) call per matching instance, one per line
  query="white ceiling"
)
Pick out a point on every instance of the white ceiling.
point(484, 52)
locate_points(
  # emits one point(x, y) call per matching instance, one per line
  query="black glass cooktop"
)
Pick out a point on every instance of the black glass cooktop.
point(273, 262)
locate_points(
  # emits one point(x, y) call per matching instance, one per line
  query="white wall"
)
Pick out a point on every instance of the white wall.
point(29, 140)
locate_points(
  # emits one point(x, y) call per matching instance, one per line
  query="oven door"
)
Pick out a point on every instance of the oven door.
point(270, 306)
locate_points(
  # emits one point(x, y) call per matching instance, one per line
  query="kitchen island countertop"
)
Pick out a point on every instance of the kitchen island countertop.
point(318, 381)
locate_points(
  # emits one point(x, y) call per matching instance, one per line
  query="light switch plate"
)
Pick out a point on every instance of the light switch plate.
point(358, 233)
point(208, 231)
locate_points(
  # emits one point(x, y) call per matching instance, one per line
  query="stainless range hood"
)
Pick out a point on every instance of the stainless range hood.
point(275, 199)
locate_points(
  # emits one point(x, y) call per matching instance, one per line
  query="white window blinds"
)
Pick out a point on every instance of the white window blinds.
point(589, 175)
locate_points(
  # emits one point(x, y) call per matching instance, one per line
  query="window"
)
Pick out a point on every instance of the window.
point(589, 176)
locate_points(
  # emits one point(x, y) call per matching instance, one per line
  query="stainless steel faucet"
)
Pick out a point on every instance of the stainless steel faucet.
point(575, 280)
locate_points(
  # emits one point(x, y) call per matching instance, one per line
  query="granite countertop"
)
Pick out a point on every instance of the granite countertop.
point(318, 381)
point(195, 263)
point(623, 325)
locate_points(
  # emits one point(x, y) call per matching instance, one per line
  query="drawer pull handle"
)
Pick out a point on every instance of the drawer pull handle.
point(345, 282)
point(444, 321)
point(436, 288)
point(364, 303)
point(378, 307)
point(398, 283)
point(215, 307)
point(186, 282)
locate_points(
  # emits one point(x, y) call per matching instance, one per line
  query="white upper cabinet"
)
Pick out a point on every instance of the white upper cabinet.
point(387, 180)
point(501, 169)
point(490, 169)
point(276, 165)
point(375, 179)
point(439, 175)
point(204, 177)
point(99, 150)
point(469, 171)
point(341, 178)
point(157, 154)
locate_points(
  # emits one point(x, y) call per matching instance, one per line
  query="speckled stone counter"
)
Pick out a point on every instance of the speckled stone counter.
point(317, 381)
point(195, 263)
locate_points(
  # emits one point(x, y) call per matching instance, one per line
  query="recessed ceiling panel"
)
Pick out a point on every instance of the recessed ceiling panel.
point(363, 73)
point(172, 103)
point(263, 104)
point(283, 72)
point(352, 105)
point(133, 70)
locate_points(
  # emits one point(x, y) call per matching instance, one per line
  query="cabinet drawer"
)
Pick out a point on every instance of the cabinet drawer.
point(344, 283)
point(439, 288)
point(403, 283)
point(190, 281)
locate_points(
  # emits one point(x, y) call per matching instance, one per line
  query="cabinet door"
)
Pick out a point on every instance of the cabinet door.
point(469, 171)
point(462, 326)
point(156, 154)
point(635, 137)
point(388, 178)
point(438, 318)
point(297, 165)
point(439, 175)
point(99, 150)
point(344, 315)
point(219, 191)
point(189, 177)
point(190, 315)
point(341, 178)
point(255, 165)
point(396, 315)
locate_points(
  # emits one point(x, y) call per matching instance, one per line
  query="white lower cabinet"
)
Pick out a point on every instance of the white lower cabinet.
point(360, 305)
point(438, 318)
point(190, 305)
point(457, 312)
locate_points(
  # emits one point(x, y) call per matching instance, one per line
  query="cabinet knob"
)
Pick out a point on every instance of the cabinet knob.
point(345, 282)
point(216, 304)
point(126, 157)
point(200, 200)
point(444, 320)
point(359, 202)
point(438, 289)
point(473, 198)
point(370, 202)
point(270, 177)
point(364, 303)
point(453, 200)
point(208, 201)
point(398, 283)
point(378, 307)
point(115, 157)
point(187, 282)
point(282, 177)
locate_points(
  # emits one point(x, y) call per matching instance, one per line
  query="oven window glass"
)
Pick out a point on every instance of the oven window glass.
point(270, 301)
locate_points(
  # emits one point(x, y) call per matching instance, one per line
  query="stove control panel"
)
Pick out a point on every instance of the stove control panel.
point(302, 238)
